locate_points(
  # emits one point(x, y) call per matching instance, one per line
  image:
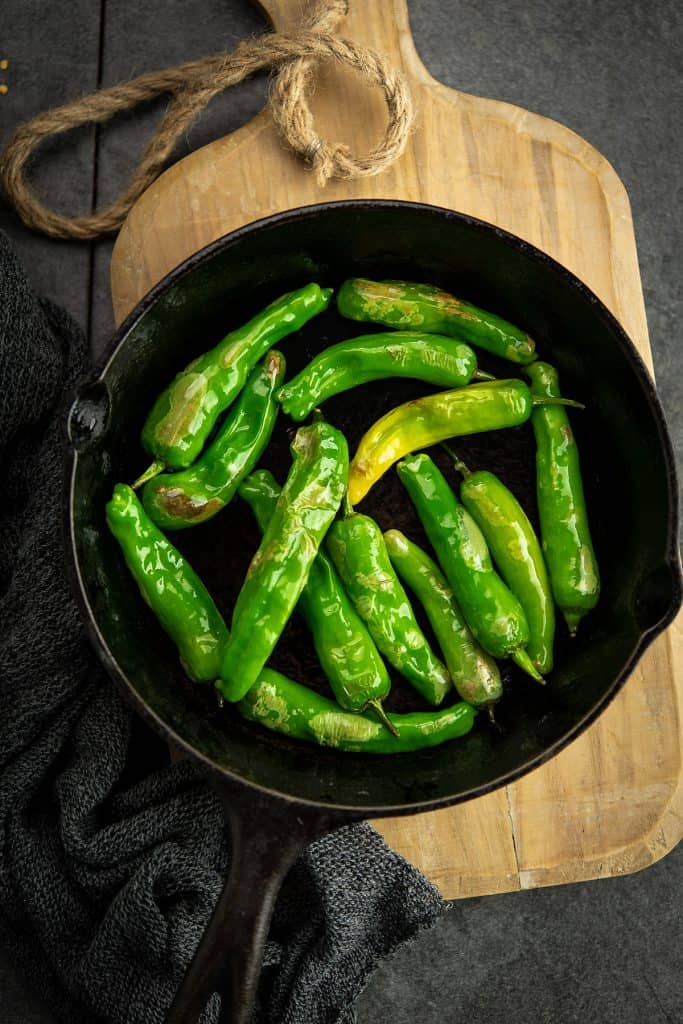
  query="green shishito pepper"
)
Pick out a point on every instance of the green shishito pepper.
point(424, 307)
point(187, 612)
point(169, 585)
point(493, 613)
point(567, 543)
point(287, 707)
point(184, 414)
point(347, 654)
point(358, 551)
point(475, 409)
point(195, 495)
point(473, 671)
point(278, 572)
point(517, 553)
point(428, 357)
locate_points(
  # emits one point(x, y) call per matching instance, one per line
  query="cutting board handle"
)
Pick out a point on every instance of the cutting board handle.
point(382, 25)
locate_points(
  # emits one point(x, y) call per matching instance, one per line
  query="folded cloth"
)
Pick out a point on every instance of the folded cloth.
point(111, 859)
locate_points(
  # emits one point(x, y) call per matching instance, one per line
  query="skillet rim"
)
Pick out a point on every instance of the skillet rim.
point(629, 352)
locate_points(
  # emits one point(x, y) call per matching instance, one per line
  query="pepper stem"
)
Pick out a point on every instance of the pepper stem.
point(483, 375)
point(153, 470)
point(376, 706)
point(547, 400)
point(522, 659)
point(457, 462)
point(347, 508)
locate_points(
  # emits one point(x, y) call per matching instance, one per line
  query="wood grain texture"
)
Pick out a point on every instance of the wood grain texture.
point(612, 802)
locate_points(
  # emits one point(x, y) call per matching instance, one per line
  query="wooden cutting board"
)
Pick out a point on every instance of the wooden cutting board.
point(612, 802)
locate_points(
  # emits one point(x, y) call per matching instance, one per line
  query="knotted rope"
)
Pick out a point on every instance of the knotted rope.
point(192, 86)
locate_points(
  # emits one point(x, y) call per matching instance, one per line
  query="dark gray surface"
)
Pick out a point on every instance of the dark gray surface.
point(601, 952)
point(51, 62)
point(606, 952)
point(220, 26)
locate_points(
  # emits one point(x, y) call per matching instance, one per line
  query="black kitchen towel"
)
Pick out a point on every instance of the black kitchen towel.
point(111, 859)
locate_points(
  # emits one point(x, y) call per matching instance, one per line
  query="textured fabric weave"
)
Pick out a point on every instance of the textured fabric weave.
point(111, 860)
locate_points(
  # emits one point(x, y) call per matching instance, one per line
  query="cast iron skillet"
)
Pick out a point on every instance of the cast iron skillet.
point(280, 794)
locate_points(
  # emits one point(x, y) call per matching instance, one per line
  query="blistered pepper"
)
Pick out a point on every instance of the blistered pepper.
point(196, 494)
point(185, 413)
point(289, 708)
point(169, 585)
point(493, 613)
point(473, 671)
point(567, 543)
point(516, 551)
point(358, 551)
point(356, 673)
point(424, 307)
point(278, 571)
point(441, 361)
point(491, 405)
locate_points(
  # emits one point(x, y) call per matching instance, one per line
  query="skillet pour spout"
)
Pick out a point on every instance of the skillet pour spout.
point(279, 794)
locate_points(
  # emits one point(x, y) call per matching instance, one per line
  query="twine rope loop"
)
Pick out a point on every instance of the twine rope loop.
point(192, 86)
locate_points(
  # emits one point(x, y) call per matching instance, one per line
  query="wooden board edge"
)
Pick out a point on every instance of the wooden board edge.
point(647, 850)
point(624, 249)
point(132, 229)
point(661, 840)
point(661, 837)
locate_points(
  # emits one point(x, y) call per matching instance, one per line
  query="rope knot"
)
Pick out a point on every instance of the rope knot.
point(192, 86)
point(311, 152)
point(329, 161)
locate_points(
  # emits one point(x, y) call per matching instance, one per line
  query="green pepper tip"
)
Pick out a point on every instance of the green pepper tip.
point(572, 618)
point(121, 490)
point(395, 540)
point(411, 461)
point(120, 499)
point(274, 363)
point(523, 661)
point(533, 369)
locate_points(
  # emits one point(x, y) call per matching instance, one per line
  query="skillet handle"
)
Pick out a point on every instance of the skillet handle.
point(268, 835)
